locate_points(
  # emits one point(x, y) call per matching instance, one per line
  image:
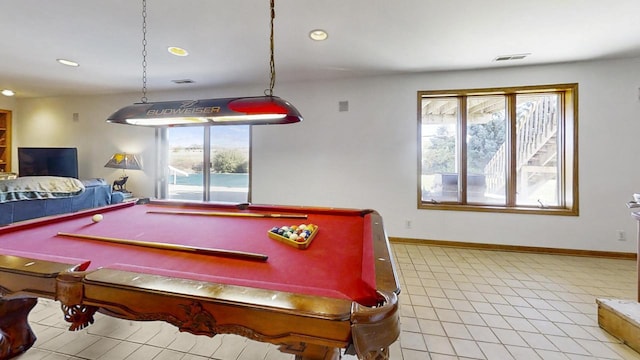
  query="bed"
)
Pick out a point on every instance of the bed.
point(31, 197)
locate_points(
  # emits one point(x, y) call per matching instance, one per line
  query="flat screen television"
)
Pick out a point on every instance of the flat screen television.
point(40, 161)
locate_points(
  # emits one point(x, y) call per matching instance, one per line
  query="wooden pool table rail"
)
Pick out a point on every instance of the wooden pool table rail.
point(310, 327)
point(300, 324)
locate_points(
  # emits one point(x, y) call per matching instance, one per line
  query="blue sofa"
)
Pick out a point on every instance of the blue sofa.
point(96, 193)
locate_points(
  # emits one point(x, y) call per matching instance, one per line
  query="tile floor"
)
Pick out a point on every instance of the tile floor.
point(455, 304)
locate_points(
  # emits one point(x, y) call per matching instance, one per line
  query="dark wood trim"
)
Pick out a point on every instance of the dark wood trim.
point(567, 137)
point(512, 145)
point(515, 248)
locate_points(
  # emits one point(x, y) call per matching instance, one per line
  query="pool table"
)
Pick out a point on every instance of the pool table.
point(216, 270)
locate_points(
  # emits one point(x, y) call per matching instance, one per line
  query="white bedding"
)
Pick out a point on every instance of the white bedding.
point(39, 187)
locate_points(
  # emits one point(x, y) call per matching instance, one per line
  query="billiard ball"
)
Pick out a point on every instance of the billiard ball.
point(97, 218)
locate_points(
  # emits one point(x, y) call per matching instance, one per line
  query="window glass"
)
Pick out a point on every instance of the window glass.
point(537, 170)
point(499, 149)
point(229, 179)
point(216, 155)
point(486, 149)
point(186, 149)
point(439, 149)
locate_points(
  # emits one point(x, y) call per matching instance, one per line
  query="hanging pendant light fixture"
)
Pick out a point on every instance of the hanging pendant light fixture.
point(256, 110)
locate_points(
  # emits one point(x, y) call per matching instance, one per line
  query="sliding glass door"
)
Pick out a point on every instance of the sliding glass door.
point(205, 163)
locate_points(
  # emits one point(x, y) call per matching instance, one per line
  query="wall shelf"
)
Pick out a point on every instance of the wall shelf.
point(5, 140)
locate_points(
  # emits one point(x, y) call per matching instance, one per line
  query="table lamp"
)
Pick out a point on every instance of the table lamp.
point(125, 162)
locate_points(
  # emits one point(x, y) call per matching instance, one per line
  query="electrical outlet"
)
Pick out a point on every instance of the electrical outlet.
point(407, 224)
point(622, 236)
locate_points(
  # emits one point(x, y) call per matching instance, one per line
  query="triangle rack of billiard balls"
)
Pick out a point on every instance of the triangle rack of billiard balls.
point(299, 236)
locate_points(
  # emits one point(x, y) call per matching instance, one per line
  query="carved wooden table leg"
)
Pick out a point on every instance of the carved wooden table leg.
point(16, 336)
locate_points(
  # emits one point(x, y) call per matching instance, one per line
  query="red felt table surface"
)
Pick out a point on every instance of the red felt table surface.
point(337, 264)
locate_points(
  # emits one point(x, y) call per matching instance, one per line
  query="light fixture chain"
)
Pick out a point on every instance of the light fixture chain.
point(272, 63)
point(144, 51)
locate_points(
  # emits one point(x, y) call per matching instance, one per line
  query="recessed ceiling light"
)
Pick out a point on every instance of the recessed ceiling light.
point(7, 92)
point(177, 51)
point(68, 62)
point(318, 35)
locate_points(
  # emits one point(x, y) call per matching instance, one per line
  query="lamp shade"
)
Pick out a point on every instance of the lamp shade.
point(260, 110)
point(124, 161)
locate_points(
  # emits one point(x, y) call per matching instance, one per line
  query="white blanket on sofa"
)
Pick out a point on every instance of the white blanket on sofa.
point(39, 187)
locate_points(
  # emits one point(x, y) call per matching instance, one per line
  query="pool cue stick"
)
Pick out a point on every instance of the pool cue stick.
point(173, 247)
point(232, 214)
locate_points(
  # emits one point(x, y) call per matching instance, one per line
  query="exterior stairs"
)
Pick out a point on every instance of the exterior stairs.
point(537, 152)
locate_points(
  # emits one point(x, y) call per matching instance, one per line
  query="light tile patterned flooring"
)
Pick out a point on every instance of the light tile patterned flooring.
point(455, 304)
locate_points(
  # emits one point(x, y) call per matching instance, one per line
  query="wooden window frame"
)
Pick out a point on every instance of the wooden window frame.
point(567, 153)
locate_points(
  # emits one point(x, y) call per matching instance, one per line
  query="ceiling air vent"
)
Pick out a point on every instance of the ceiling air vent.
point(183, 81)
point(511, 57)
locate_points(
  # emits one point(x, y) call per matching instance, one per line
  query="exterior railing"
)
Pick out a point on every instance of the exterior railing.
point(536, 126)
point(174, 173)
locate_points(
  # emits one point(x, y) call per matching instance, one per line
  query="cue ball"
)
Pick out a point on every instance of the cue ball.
point(97, 218)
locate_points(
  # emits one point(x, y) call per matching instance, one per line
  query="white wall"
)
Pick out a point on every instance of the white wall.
point(7, 102)
point(49, 122)
point(367, 157)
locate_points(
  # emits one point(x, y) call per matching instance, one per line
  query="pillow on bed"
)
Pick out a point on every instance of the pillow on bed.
point(39, 187)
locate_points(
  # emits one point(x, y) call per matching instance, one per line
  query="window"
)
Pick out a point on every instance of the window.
point(504, 150)
point(205, 163)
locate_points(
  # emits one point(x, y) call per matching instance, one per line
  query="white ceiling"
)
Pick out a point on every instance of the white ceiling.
point(228, 40)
